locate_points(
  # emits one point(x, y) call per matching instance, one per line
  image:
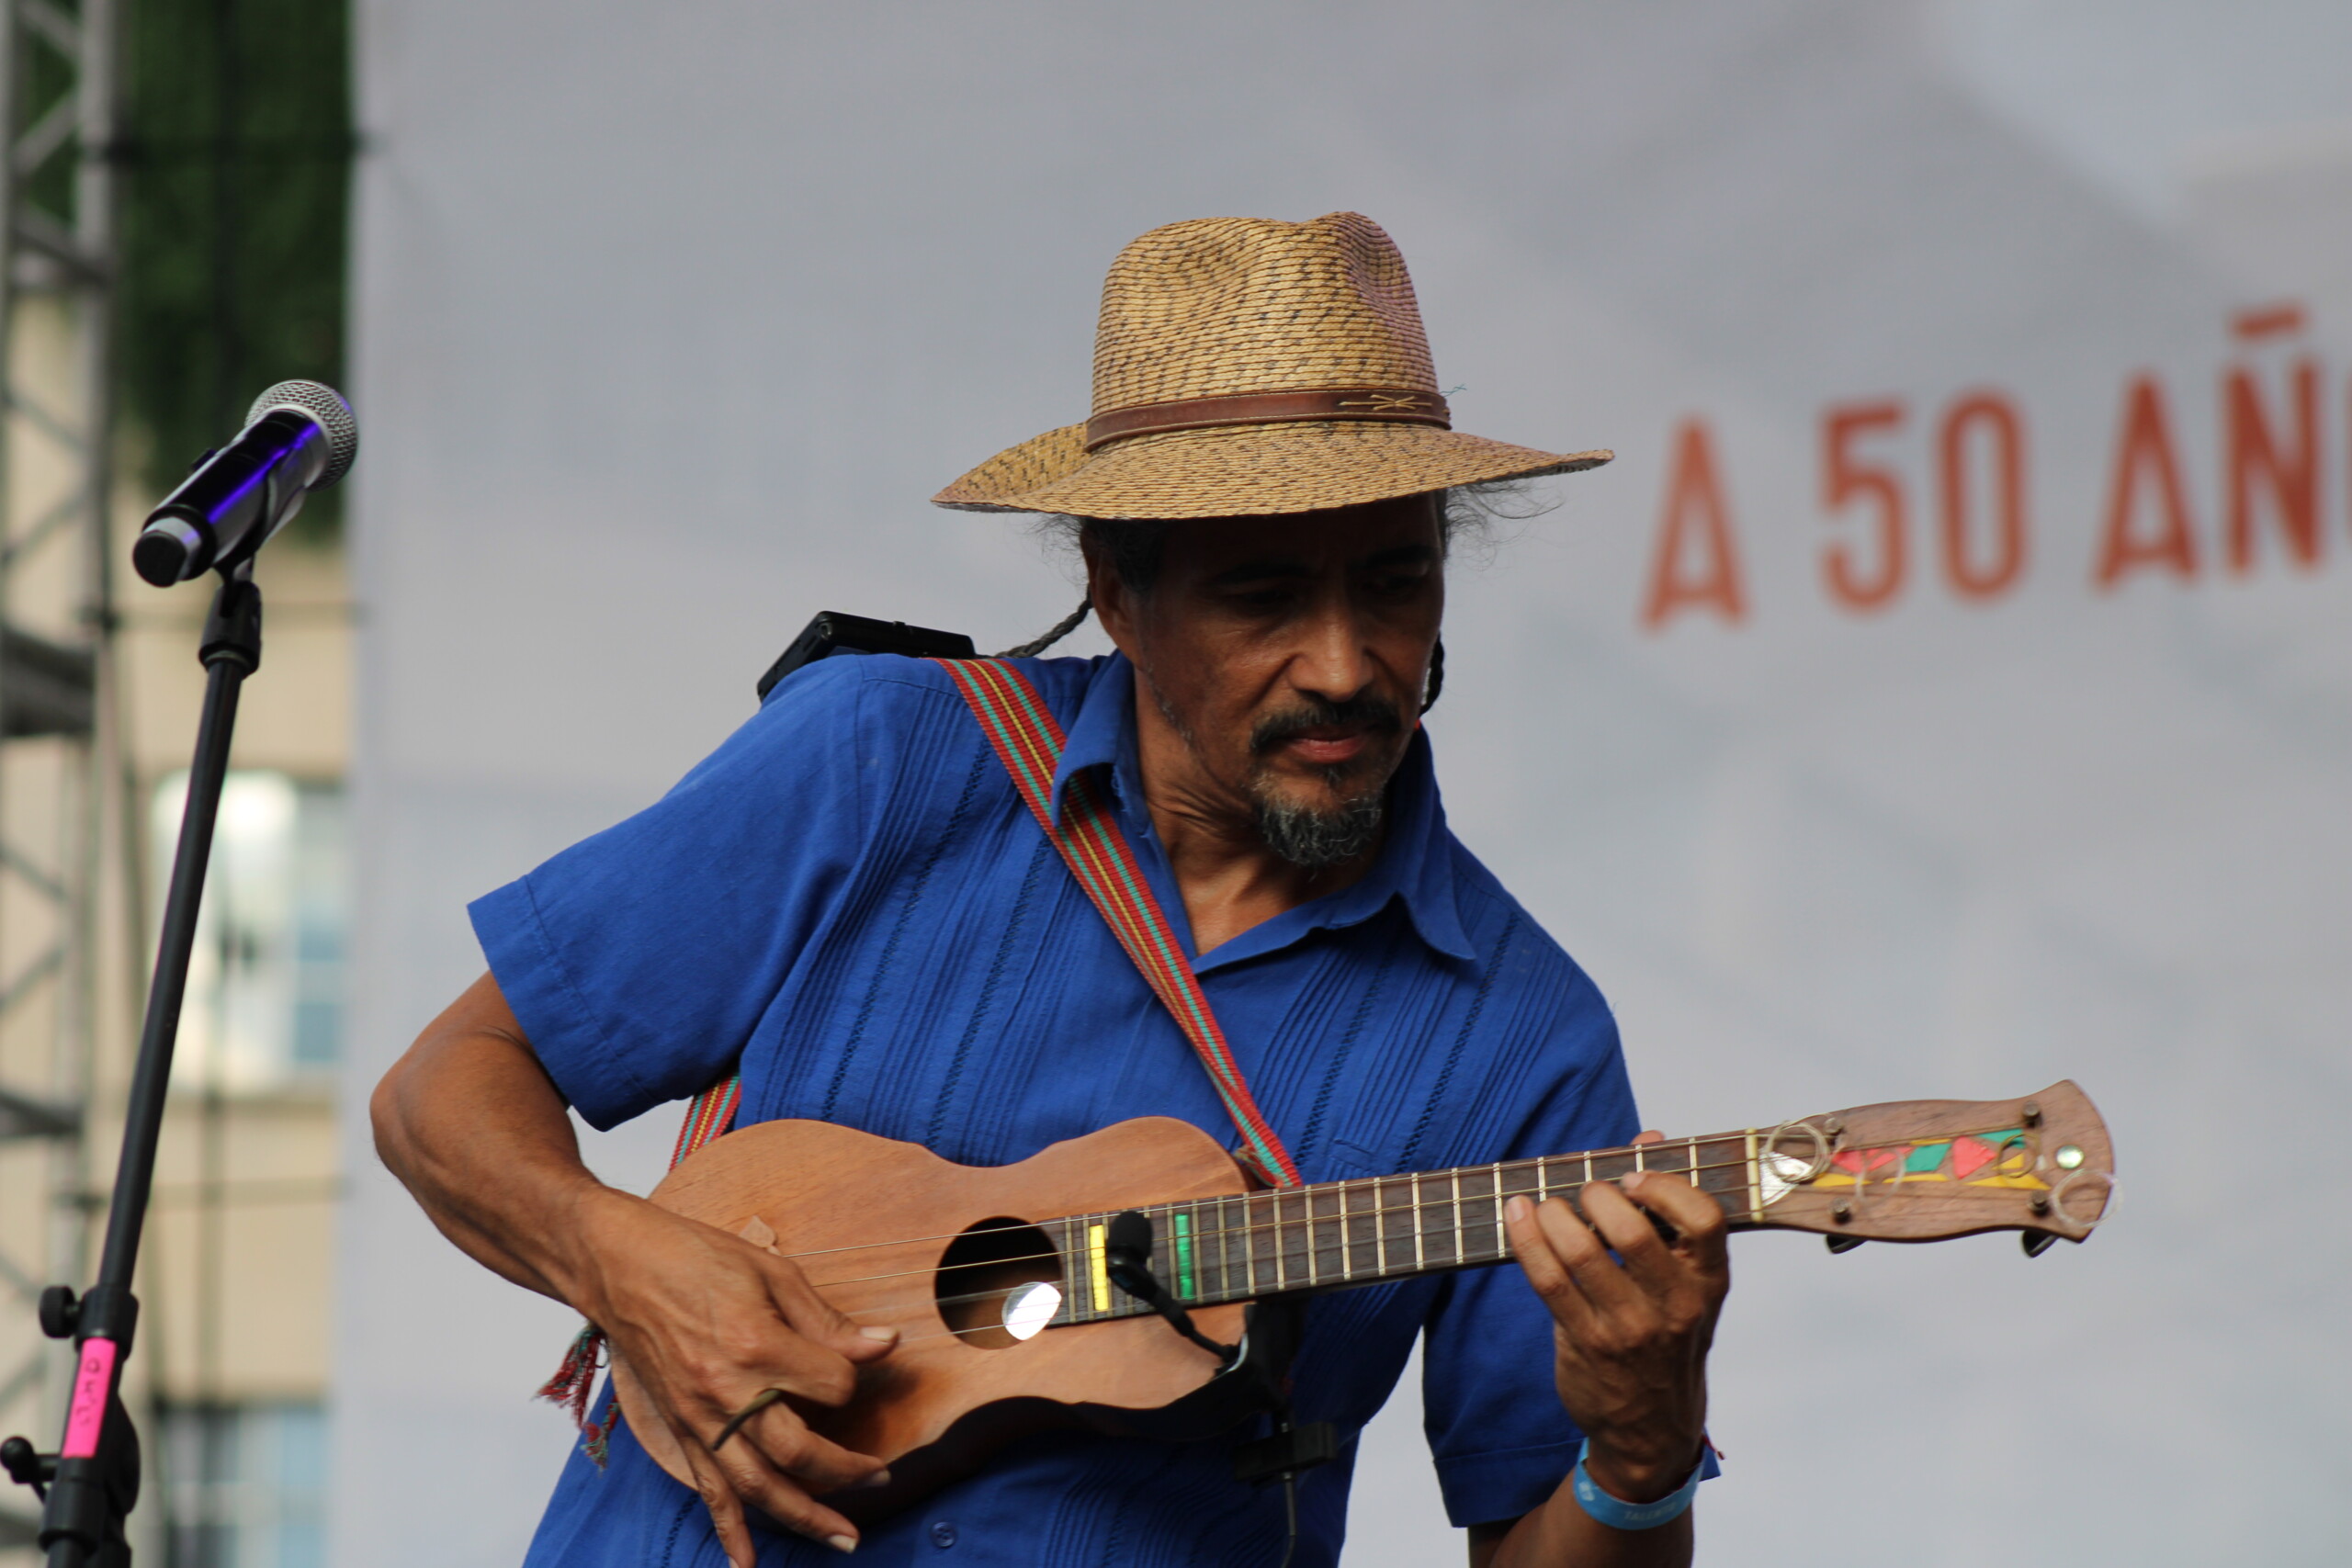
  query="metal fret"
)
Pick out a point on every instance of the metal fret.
point(1525, 1180)
point(1412, 1213)
point(1306, 1201)
point(1306, 1213)
point(1458, 1249)
point(1502, 1238)
point(1420, 1260)
point(1347, 1241)
point(1379, 1224)
point(1282, 1204)
point(1275, 1203)
point(1069, 1268)
point(1273, 1233)
point(1316, 1230)
point(1240, 1233)
point(1251, 1284)
point(1316, 1222)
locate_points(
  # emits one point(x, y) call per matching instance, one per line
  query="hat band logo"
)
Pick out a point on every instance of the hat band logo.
point(1379, 405)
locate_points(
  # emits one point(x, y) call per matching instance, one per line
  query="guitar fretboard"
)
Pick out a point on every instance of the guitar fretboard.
point(1332, 1234)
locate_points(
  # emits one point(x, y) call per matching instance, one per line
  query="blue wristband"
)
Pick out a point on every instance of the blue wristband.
point(1620, 1514)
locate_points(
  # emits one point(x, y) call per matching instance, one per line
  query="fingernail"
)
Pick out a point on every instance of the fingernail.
point(842, 1542)
point(1517, 1209)
point(884, 1334)
point(878, 1479)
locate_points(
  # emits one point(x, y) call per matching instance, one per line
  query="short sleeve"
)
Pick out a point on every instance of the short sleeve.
point(1501, 1441)
point(640, 961)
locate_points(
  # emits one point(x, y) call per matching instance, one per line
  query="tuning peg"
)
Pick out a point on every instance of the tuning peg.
point(2036, 1243)
point(1843, 1243)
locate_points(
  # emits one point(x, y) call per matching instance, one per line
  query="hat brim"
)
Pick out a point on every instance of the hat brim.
point(1244, 471)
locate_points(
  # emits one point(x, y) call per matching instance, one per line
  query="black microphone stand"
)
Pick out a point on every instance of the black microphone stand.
point(89, 1486)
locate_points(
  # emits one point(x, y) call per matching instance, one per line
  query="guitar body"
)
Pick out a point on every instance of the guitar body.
point(944, 1401)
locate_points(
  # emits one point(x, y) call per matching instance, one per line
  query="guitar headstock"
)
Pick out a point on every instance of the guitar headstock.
point(1931, 1169)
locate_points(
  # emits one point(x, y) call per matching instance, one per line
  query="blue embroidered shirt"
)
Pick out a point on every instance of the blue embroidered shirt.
point(849, 900)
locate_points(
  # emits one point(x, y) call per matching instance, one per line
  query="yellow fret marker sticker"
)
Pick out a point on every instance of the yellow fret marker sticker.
point(1102, 1266)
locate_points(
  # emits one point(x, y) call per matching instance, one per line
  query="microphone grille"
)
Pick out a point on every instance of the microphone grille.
point(326, 405)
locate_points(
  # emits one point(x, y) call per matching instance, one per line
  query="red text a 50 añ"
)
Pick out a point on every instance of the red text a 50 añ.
point(1957, 519)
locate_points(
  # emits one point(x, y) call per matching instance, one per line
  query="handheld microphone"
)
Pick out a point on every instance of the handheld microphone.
point(301, 436)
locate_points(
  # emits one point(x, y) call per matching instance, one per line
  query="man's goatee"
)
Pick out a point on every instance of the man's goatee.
point(1313, 839)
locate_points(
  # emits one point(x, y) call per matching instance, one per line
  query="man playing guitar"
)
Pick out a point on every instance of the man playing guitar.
point(849, 906)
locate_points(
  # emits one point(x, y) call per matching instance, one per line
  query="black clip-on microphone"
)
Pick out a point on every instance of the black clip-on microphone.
point(299, 438)
point(1127, 1250)
point(1291, 1447)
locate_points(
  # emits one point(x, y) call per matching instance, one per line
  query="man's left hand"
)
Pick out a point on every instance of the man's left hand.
point(1630, 1333)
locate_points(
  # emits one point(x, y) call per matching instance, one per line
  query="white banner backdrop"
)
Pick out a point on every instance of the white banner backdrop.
point(1948, 690)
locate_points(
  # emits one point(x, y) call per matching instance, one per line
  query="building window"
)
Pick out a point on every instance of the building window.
point(247, 1485)
point(264, 995)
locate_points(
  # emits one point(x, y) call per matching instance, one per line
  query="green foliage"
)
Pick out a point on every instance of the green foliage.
point(234, 177)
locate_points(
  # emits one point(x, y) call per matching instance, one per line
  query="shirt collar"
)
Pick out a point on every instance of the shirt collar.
point(1416, 864)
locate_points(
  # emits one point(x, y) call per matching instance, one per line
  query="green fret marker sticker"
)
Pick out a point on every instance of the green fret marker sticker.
point(1184, 1255)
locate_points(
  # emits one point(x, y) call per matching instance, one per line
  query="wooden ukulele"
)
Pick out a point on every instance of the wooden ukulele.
point(1001, 1280)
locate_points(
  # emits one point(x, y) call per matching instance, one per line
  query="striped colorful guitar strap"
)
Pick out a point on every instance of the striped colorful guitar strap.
point(1028, 741)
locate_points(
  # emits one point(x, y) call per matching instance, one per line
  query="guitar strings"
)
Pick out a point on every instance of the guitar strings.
point(1687, 1145)
point(1638, 1152)
point(966, 1298)
point(970, 1297)
point(1203, 1238)
point(1277, 1223)
point(1340, 1188)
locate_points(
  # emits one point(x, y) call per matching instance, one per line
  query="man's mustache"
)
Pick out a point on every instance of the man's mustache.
point(1376, 715)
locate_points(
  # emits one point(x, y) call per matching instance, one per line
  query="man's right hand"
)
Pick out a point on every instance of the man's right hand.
point(706, 1323)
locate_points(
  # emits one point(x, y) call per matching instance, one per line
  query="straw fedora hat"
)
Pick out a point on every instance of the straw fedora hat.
point(1245, 367)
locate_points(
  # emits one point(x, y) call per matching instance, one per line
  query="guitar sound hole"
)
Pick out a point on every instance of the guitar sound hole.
point(982, 1268)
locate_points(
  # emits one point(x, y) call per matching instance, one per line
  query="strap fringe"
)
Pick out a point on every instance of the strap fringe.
point(710, 1115)
point(574, 1385)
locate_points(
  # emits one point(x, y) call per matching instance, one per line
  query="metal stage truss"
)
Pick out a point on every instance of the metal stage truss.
point(60, 748)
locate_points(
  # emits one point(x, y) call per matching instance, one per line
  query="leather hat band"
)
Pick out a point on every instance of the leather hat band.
point(1381, 405)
